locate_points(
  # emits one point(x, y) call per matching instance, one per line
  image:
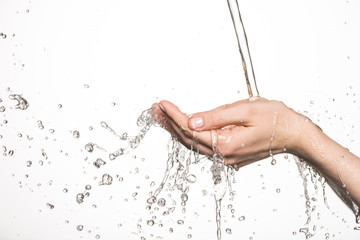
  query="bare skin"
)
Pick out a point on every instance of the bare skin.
point(248, 130)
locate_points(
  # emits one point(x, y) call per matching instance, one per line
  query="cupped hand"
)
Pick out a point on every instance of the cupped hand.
point(246, 131)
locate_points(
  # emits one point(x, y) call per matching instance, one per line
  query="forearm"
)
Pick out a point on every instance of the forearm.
point(331, 159)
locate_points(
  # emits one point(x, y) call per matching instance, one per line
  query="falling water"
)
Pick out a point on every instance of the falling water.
point(244, 49)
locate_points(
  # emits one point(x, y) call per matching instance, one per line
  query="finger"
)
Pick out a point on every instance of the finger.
point(232, 114)
point(181, 120)
point(190, 141)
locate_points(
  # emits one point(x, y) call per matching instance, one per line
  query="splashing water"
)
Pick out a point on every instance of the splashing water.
point(22, 104)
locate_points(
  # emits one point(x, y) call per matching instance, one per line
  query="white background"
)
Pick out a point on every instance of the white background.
point(135, 53)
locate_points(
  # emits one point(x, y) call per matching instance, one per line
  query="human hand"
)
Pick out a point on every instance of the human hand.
point(247, 131)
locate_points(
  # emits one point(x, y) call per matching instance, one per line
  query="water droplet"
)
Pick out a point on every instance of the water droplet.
point(106, 180)
point(99, 162)
point(357, 228)
point(87, 187)
point(180, 222)
point(104, 124)
point(80, 227)
point(2, 109)
point(242, 218)
point(151, 200)
point(121, 179)
point(189, 236)
point(28, 163)
point(97, 236)
point(51, 130)
point(80, 198)
point(76, 134)
point(50, 206)
point(171, 230)
point(117, 153)
point(65, 190)
point(86, 86)
point(184, 197)
point(161, 202)
point(11, 152)
point(191, 178)
point(134, 194)
point(150, 222)
point(228, 231)
point(3, 35)
point(22, 104)
point(273, 161)
point(40, 124)
point(89, 147)
point(278, 190)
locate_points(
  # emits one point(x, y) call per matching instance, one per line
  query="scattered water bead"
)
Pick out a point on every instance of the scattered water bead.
point(86, 86)
point(278, 190)
point(11, 152)
point(2, 109)
point(161, 202)
point(151, 200)
point(117, 153)
point(65, 190)
point(3, 35)
point(273, 161)
point(28, 163)
point(22, 104)
point(99, 162)
point(242, 218)
point(19, 135)
point(87, 187)
point(80, 227)
point(189, 236)
point(228, 231)
point(180, 222)
point(80, 198)
point(76, 134)
point(171, 230)
point(59, 105)
point(150, 222)
point(106, 179)
point(51, 130)
point(40, 124)
point(121, 179)
point(49, 205)
point(97, 236)
point(89, 147)
point(41, 162)
point(184, 197)
point(191, 178)
point(66, 221)
point(134, 194)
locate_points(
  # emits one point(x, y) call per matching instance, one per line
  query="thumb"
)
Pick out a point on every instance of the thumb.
point(233, 114)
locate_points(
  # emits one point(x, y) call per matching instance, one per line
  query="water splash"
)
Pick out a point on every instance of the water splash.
point(22, 104)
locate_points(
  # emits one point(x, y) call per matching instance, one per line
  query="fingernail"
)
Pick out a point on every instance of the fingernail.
point(162, 108)
point(196, 122)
